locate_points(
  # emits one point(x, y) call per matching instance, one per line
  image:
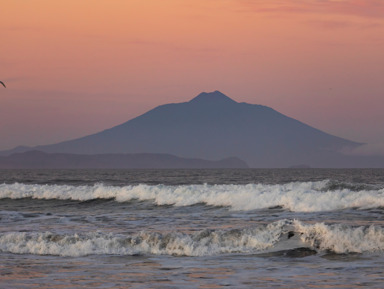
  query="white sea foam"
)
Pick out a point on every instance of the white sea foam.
point(206, 242)
point(299, 197)
point(340, 238)
point(271, 237)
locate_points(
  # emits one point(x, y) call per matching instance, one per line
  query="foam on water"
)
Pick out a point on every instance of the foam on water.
point(298, 197)
point(341, 238)
point(274, 236)
point(202, 243)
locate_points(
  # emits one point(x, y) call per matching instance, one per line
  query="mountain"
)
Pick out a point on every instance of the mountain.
point(41, 160)
point(213, 126)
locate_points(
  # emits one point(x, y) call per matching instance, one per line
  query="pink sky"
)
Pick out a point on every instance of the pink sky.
point(74, 68)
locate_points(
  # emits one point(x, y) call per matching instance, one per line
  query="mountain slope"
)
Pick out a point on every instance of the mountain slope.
point(41, 160)
point(213, 126)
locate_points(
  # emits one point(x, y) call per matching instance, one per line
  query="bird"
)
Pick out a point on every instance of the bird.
point(2, 83)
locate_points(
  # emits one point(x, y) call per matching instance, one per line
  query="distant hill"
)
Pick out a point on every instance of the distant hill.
point(41, 160)
point(213, 126)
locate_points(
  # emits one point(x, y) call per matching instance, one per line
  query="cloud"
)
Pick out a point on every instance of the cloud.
point(376, 149)
point(360, 8)
point(335, 24)
point(331, 25)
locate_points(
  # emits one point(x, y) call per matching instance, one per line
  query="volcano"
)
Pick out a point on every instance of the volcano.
point(213, 126)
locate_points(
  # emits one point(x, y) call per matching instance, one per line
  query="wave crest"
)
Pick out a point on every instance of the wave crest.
point(202, 243)
point(340, 238)
point(277, 236)
point(298, 197)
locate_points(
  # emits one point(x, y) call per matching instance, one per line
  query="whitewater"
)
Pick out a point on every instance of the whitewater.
point(306, 197)
point(287, 228)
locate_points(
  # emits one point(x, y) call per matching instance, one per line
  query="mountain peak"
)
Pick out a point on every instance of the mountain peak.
point(212, 98)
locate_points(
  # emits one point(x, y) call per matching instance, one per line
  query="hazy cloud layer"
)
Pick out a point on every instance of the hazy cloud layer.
point(360, 8)
point(376, 149)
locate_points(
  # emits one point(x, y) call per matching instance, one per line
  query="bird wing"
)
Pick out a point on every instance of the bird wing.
point(2, 83)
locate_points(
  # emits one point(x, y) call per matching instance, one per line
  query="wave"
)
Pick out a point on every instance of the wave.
point(339, 238)
point(297, 196)
point(277, 236)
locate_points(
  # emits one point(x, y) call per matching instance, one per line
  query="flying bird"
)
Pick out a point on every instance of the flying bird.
point(2, 83)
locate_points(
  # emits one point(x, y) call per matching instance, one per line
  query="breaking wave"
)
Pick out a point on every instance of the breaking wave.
point(297, 196)
point(280, 235)
point(340, 238)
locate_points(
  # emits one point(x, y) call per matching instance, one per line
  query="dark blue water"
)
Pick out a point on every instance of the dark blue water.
point(277, 228)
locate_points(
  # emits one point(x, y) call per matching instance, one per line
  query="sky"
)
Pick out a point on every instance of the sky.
point(74, 68)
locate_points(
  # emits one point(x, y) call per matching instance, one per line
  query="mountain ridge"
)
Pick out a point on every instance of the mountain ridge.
point(213, 126)
point(41, 160)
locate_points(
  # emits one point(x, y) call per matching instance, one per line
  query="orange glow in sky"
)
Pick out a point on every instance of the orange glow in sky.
point(77, 67)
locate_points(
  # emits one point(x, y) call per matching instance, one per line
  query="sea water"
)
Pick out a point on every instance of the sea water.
point(251, 228)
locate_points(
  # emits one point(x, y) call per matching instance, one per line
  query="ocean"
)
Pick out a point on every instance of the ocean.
point(246, 228)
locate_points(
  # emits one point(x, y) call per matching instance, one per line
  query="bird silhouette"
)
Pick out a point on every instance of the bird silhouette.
point(2, 83)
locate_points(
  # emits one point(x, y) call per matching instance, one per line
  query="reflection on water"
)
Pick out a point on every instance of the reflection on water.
point(27, 271)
